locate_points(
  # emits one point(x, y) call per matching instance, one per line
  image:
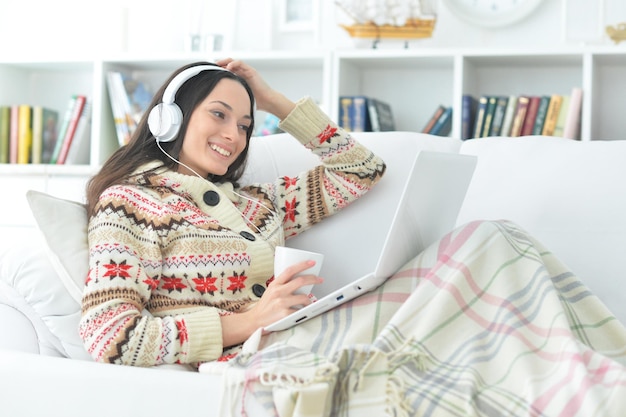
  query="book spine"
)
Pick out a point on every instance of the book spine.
point(71, 128)
point(119, 118)
point(509, 114)
point(491, 108)
point(571, 129)
point(433, 119)
point(24, 134)
point(13, 134)
point(80, 146)
point(359, 114)
point(480, 116)
point(531, 115)
point(520, 116)
point(65, 121)
point(552, 115)
point(468, 116)
point(345, 110)
point(37, 147)
point(542, 112)
point(560, 123)
point(385, 115)
point(5, 127)
point(444, 124)
point(373, 115)
point(498, 116)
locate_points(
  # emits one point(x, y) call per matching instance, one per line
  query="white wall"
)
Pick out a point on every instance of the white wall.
point(37, 29)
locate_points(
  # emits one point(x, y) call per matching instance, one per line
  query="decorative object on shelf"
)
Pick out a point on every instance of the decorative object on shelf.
point(492, 13)
point(617, 33)
point(390, 19)
point(297, 15)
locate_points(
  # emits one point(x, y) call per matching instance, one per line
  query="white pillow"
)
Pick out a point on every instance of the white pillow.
point(63, 224)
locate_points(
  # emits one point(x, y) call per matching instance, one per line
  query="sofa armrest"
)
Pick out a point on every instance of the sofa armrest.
point(16, 331)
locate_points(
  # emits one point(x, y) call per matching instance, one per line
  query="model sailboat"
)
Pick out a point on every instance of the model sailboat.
point(390, 19)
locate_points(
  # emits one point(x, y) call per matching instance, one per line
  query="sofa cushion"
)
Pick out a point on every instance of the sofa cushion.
point(30, 286)
point(63, 224)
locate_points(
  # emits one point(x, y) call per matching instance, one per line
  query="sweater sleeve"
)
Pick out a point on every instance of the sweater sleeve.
point(124, 271)
point(347, 170)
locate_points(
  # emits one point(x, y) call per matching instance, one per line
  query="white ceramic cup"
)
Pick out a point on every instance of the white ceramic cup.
point(286, 257)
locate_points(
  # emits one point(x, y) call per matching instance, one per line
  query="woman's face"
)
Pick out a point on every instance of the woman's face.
point(217, 130)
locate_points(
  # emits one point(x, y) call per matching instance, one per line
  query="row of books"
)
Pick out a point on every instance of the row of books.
point(524, 115)
point(40, 135)
point(129, 100)
point(440, 123)
point(365, 114)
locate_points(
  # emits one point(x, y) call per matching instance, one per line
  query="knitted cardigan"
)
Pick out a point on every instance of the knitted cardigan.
point(170, 253)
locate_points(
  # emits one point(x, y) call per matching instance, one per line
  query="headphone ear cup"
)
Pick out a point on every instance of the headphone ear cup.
point(164, 121)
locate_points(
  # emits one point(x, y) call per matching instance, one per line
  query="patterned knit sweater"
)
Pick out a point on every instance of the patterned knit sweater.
point(170, 253)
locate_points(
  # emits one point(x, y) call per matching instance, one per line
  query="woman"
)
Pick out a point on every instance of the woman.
point(172, 233)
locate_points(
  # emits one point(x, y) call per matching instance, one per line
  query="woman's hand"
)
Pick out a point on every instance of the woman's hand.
point(277, 302)
point(267, 99)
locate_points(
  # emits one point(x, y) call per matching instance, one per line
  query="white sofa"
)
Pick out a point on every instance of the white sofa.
point(568, 194)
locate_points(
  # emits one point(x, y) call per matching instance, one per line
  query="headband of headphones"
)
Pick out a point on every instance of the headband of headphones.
point(166, 117)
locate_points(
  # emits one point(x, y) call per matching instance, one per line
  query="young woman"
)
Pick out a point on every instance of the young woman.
point(172, 234)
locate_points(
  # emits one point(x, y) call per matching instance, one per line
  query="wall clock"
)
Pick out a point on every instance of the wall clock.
point(492, 13)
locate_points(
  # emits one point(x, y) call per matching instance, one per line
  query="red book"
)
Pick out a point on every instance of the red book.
point(79, 105)
point(531, 115)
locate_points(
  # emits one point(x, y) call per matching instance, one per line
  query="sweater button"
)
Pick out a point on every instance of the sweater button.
point(248, 235)
point(211, 198)
point(258, 290)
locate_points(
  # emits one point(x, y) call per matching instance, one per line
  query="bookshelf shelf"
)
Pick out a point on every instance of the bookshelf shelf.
point(413, 81)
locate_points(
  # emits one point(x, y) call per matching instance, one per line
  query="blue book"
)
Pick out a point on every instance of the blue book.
point(443, 125)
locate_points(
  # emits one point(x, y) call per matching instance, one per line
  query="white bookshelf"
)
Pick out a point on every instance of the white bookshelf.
point(414, 81)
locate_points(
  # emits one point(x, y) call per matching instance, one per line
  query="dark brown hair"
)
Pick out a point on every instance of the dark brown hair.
point(143, 148)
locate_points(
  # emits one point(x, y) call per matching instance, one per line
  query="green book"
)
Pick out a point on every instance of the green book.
point(5, 117)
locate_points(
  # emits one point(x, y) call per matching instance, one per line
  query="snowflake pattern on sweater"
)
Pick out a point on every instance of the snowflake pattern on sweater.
point(166, 261)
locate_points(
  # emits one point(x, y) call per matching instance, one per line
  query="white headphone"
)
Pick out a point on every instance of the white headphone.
point(166, 117)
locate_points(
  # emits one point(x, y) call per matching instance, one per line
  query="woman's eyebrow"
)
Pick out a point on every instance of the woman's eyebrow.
point(229, 107)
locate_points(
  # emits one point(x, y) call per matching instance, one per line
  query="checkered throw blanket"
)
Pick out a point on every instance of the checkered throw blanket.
point(486, 322)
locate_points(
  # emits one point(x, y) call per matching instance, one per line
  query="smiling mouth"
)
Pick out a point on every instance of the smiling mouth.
point(220, 150)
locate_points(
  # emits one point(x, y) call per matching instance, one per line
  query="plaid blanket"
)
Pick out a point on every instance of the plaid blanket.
point(486, 322)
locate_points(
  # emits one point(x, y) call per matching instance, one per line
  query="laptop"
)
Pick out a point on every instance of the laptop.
point(427, 209)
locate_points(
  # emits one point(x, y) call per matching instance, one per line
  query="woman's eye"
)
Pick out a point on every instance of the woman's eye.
point(219, 114)
point(245, 128)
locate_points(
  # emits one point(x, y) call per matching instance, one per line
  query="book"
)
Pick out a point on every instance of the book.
point(509, 114)
point(520, 115)
point(489, 112)
point(80, 148)
point(138, 96)
point(498, 116)
point(66, 140)
point(5, 127)
point(44, 133)
point(120, 112)
point(531, 115)
point(571, 129)
point(345, 110)
point(381, 115)
point(468, 115)
point(433, 119)
point(360, 121)
point(443, 125)
point(560, 123)
point(24, 134)
point(540, 118)
point(13, 135)
point(552, 115)
point(480, 116)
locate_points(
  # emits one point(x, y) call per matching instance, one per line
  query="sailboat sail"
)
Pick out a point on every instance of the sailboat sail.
point(397, 19)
